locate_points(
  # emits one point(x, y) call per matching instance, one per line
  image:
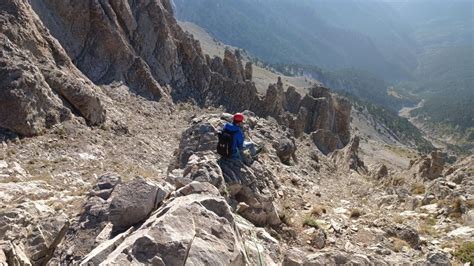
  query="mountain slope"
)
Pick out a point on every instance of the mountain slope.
point(147, 187)
point(445, 75)
point(287, 31)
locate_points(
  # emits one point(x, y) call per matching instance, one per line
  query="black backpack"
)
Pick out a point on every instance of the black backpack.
point(224, 146)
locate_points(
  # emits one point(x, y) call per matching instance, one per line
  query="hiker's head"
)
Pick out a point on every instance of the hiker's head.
point(238, 118)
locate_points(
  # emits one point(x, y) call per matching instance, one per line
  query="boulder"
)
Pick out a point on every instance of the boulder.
point(100, 253)
point(285, 149)
point(192, 229)
point(34, 230)
point(404, 232)
point(44, 238)
point(132, 202)
point(15, 255)
point(96, 211)
point(201, 167)
point(319, 239)
point(438, 258)
point(294, 257)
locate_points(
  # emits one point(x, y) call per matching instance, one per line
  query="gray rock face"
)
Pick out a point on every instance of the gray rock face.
point(406, 233)
point(274, 99)
point(349, 156)
point(251, 186)
point(203, 167)
point(15, 255)
point(326, 141)
point(198, 138)
point(327, 112)
point(194, 229)
point(109, 42)
point(438, 258)
point(197, 188)
point(296, 257)
point(39, 80)
point(429, 167)
point(286, 149)
point(132, 202)
point(248, 71)
point(31, 234)
point(380, 172)
point(233, 66)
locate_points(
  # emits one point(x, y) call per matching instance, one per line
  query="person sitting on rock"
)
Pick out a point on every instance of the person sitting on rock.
point(240, 149)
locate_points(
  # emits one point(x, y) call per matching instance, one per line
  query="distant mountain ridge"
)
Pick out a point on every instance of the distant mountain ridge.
point(306, 32)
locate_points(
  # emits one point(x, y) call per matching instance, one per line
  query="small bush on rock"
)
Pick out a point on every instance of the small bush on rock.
point(311, 222)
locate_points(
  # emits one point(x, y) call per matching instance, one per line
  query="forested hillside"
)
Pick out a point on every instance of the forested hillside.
point(307, 32)
point(445, 75)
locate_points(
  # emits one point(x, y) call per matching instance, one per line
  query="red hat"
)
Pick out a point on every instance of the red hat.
point(238, 118)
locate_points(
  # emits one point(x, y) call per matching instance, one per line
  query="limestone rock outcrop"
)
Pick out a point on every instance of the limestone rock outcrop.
point(324, 114)
point(39, 84)
point(28, 235)
point(191, 229)
point(195, 225)
point(429, 167)
point(248, 186)
point(349, 157)
point(201, 167)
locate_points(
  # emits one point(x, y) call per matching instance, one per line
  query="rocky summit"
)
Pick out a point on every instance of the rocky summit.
point(109, 121)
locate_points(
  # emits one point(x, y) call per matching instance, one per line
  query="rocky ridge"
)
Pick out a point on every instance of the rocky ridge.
point(228, 201)
point(306, 200)
point(116, 42)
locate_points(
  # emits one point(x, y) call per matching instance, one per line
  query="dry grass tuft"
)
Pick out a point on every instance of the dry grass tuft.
point(418, 188)
point(398, 244)
point(398, 219)
point(318, 210)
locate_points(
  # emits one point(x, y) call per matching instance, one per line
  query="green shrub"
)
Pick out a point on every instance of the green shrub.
point(465, 252)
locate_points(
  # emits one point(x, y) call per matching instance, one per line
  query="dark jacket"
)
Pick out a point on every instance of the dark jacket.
point(238, 139)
